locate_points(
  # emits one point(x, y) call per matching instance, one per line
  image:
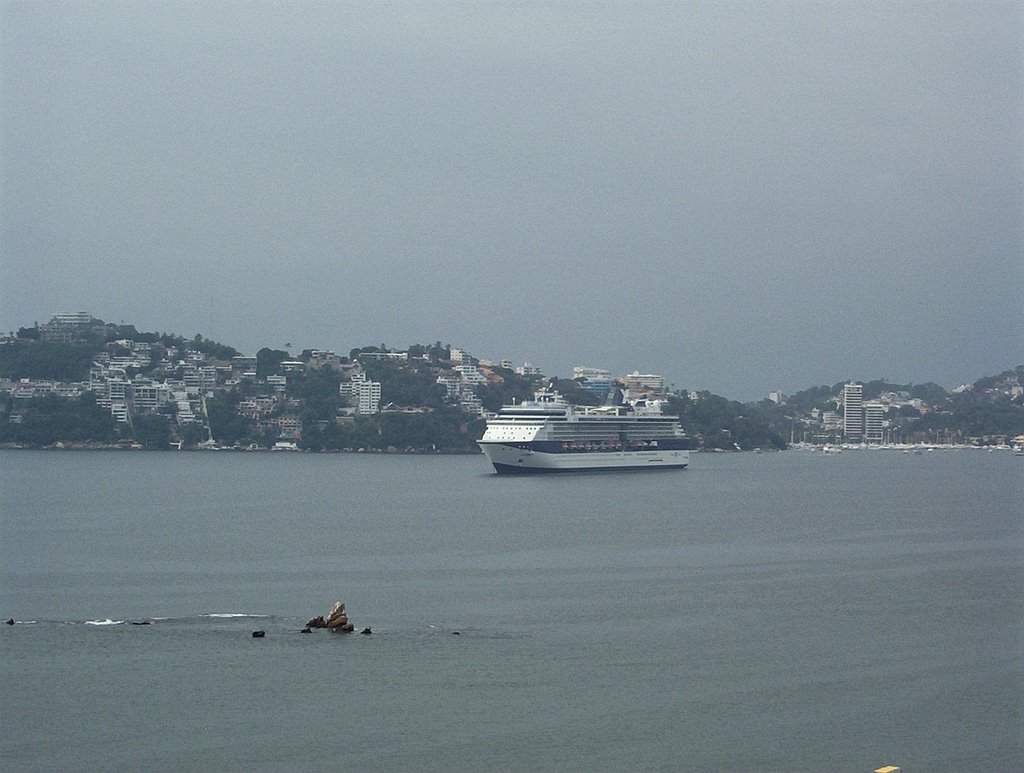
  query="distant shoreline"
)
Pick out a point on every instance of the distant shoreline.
point(121, 447)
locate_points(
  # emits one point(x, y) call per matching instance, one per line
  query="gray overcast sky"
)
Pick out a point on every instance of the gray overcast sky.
point(740, 196)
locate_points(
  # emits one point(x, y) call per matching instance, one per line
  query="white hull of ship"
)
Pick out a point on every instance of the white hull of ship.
point(509, 459)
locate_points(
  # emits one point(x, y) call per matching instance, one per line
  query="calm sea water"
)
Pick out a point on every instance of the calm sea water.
point(770, 612)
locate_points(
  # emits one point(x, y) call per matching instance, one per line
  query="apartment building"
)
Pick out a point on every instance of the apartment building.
point(874, 422)
point(853, 411)
point(365, 393)
point(648, 384)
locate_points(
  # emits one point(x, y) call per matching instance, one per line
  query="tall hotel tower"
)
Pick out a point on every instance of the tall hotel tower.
point(853, 411)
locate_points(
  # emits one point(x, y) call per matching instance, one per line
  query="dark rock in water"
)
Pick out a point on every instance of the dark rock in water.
point(140, 622)
point(10, 621)
point(307, 629)
point(366, 631)
point(456, 633)
point(317, 622)
point(258, 634)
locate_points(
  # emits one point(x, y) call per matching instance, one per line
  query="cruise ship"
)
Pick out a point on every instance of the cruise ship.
point(547, 434)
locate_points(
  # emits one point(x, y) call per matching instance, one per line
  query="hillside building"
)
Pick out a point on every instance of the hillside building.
point(644, 384)
point(365, 393)
point(597, 381)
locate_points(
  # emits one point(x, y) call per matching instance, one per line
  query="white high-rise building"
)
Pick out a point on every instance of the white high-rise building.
point(874, 422)
point(368, 393)
point(365, 392)
point(853, 411)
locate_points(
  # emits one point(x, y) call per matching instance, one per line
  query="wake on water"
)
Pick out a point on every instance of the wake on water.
point(108, 621)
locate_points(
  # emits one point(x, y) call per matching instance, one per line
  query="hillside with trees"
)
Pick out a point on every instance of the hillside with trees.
point(79, 380)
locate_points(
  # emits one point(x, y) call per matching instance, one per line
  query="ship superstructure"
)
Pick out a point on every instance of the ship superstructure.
point(547, 434)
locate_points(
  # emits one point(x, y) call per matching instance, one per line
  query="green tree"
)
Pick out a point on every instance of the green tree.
point(152, 430)
point(191, 434)
point(405, 383)
point(226, 425)
point(574, 393)
point(268, 362)
point(212, 348)
point(930, 393)
point(804, 401)
point(726, 424)
point(511, 388)
point(318, 390)
point(51, 419)
point(46, 360)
